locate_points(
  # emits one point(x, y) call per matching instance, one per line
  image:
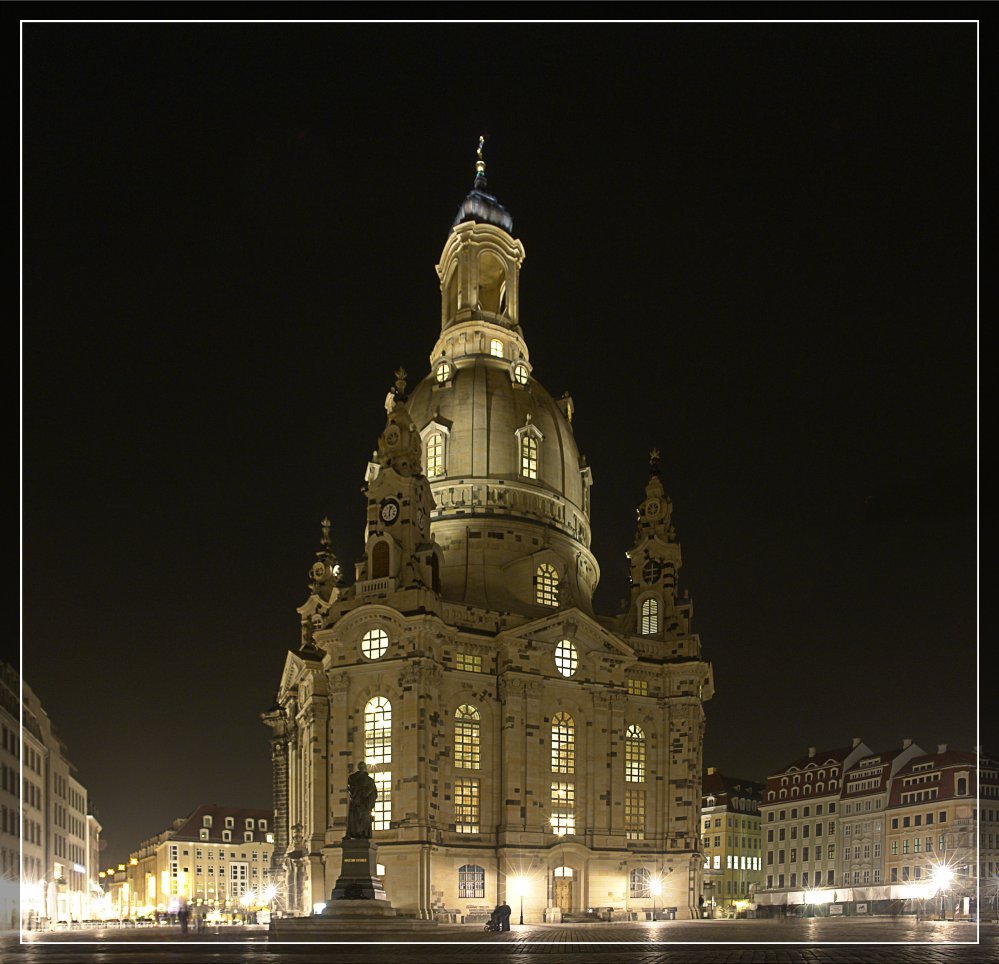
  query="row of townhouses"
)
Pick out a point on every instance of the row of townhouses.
point(855, 831)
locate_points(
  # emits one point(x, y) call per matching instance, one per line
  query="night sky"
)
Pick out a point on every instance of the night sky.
point(750, 245)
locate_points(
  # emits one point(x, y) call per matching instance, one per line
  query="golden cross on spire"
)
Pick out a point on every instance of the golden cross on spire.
point(480, 164)
point(654, 457)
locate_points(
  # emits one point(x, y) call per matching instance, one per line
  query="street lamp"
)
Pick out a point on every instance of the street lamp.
point(942, 877)
point(516, 885)
point(656, 887)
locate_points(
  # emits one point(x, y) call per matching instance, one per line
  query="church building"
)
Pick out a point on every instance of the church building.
point(525, 748)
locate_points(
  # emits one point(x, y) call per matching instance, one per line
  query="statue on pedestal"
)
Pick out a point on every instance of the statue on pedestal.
point(362, 793)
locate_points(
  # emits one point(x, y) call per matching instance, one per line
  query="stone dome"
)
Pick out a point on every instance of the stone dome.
point(482, 409)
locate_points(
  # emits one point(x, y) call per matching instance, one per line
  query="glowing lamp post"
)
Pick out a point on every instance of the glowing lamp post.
point(942, 877)
point(517, 885)
point(656, 887)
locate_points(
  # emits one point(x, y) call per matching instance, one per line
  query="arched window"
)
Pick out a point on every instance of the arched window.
point(528, 456)
point(377, 731)
point(650, 617)
point(566, 659)
point(466, 737)
point(546, 585)
point(563, 743)
point(435, 455)
point(471, 882)
point(491, 283)
point(640, 882)
point(374, 643)
point(380, 560)
point(634, 754)
point(378, 752)
point(962, 786)
point(496, 348)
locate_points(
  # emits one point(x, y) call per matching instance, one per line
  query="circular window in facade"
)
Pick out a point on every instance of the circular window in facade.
point(652, 570)
point(443, 372)
point(520, 374)
point(566, 658)
point(374, 643)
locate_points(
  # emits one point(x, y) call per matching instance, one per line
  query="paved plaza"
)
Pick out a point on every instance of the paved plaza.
point(879, 941)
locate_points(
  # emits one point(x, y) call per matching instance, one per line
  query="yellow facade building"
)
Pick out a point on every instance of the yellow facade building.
point(216, 861)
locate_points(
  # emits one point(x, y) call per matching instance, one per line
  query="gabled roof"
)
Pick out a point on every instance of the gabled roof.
point(192, 826)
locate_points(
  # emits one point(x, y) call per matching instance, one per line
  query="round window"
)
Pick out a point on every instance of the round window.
point(652, 570)
point(566, 658)
point(443, 372)
point(374, 643)
point(520, 373)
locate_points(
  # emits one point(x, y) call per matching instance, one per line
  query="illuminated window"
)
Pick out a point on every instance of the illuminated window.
point(374, 643)
point(528, 456)
point(638, 687)
point(566, 660)
point(634, 814)
point(650, 617)
point(634, 754)
point(466, 806)
point(466, 738)
point(496, 348)
point(471, 882)
point(378, 731)
point(443, 372)
point(468, 662)
point(435, 455)
point(640, 882)
point(520, 375)
point(546, 585)
point(381, 818)
point(563, 808)
point(563, 743)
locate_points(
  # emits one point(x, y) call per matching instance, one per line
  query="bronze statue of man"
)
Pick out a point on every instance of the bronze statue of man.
point(363, 793)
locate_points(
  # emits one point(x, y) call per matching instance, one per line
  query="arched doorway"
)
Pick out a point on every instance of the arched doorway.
point(562, 895)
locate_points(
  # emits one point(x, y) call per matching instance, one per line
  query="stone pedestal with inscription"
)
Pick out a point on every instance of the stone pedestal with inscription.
point(357, 902)
point(359, 882)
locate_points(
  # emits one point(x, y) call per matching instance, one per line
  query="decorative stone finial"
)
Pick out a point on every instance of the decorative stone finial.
point(400, 382)
point(654, 461)
point(325, 524)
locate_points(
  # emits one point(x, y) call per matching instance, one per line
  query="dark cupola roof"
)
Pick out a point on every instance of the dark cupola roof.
point(479, 205)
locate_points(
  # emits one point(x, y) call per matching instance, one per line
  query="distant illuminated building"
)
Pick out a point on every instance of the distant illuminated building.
point(55, 827)
point(211, 860)
point(854, 831)
point(933, 825)
point(525, 748)
point(730, 834)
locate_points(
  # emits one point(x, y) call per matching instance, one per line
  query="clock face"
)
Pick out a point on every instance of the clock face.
point(421, 518)
point(318, 571)
point(389, 511)
point(392, 435)
point(652, 508)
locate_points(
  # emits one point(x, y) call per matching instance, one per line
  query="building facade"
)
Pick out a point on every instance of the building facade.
point(525, 748)
point(941, 835)
point(853, 831)
point(216, 861)
point(49, 835)
point(733, 851)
